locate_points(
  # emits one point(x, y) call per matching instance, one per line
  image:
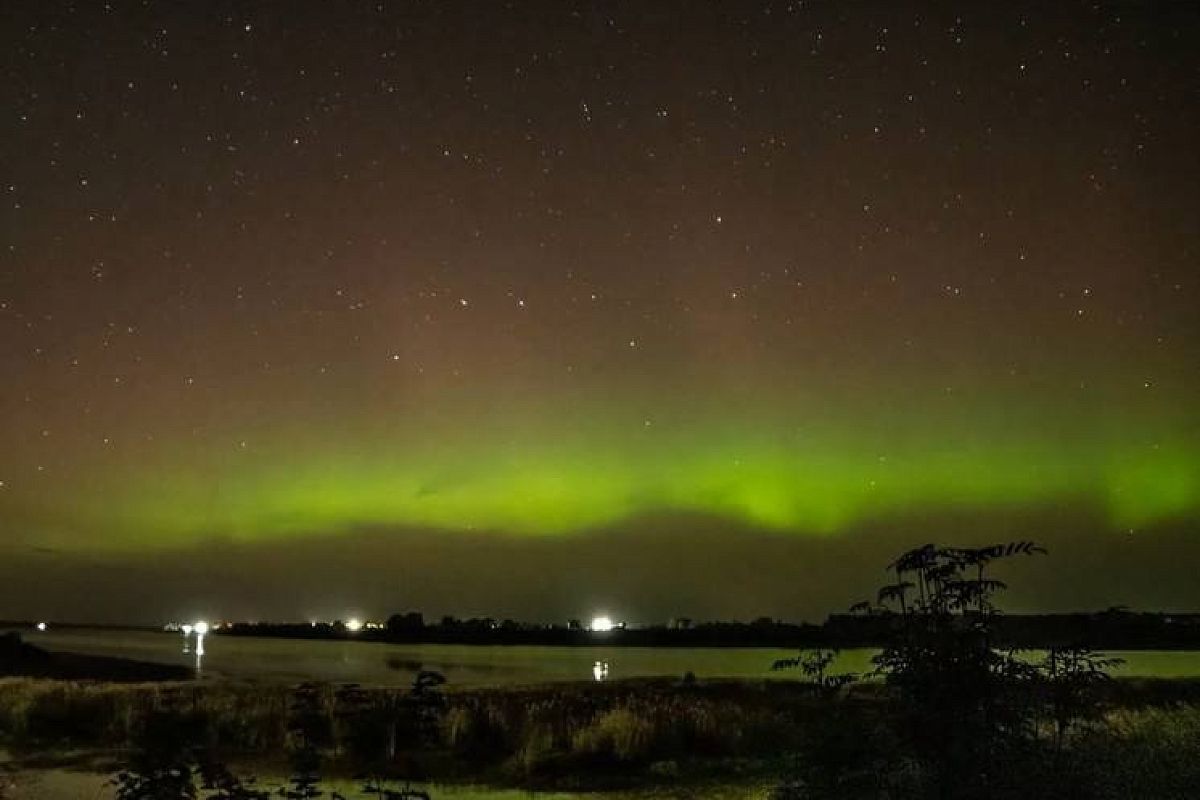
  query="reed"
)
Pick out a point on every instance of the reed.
point(636, 733)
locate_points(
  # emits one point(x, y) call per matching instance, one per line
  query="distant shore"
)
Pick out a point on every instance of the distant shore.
point(1114, 629)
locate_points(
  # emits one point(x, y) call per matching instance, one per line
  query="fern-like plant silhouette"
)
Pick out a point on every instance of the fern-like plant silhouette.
point(962, 704)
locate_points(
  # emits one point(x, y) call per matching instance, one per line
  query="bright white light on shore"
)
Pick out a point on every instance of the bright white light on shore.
point(201, 627)
point(41, 626)
point(187, 630)
point(601, 624)
point(354, 625)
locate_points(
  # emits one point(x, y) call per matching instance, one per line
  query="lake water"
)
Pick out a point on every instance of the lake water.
point(466, 665)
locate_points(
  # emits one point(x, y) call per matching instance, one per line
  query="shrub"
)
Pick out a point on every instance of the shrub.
point(961, 704)
point(620, 733)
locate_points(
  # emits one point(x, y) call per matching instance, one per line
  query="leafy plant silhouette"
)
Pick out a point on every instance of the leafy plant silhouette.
point(221, 784)
point(309, 731)
point(1073, 681)
point(377, 723)
point(426, 703)
point(962, 705)
point(814, 666)
point(166, 761)
point(837, 757)
point(160, 767)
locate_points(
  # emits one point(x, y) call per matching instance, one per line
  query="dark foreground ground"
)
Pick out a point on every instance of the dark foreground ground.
point(653, 735)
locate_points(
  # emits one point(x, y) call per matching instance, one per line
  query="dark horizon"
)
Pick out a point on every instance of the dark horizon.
point(686, 569)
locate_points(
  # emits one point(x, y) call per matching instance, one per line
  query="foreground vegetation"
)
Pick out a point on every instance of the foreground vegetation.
point(949, 715)
point(528, 736)
point(588, 736)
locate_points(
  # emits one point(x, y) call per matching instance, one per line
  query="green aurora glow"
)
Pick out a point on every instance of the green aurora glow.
point(802, 473)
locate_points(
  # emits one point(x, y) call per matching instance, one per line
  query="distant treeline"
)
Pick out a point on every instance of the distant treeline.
point(1112, 630)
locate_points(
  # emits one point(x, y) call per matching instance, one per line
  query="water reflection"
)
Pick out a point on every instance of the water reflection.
point(188, 630)
point(470, 665)
point(600, 670)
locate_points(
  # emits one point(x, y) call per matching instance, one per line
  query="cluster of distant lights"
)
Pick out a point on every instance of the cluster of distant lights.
point(600, 624)
point(354, 625)
point(200, 627)
point(203, 628)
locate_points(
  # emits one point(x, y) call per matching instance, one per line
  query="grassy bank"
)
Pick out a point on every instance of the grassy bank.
point(570, 734)
point(586, 736)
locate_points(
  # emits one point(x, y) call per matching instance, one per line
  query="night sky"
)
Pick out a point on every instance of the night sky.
point(532, 309)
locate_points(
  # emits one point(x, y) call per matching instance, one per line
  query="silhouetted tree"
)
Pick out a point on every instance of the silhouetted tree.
point(400, 625)
point(1073, 679)
point(963, 706)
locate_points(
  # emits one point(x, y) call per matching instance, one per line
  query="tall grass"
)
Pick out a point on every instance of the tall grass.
point(45, 713)
point(636, 732)
point(630, 723)
point(1144, 754)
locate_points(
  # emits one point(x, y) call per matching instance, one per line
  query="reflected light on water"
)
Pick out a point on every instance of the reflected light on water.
point(199, 628)
point(600, 670)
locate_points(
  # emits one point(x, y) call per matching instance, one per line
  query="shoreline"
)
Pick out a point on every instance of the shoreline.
point(19, 659)
point(1102, 630)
